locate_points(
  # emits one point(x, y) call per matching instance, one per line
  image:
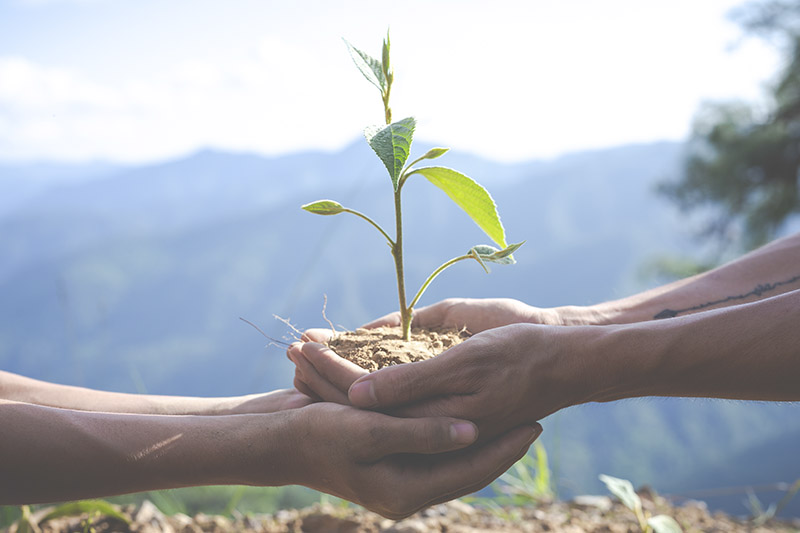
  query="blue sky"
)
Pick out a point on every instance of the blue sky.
point(144, 80)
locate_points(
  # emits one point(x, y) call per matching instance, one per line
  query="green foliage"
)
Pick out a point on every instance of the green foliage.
point(324, 207)
point(469, 196)
point(29, 522)
point(369, 67)
point(392, 144)
point(528, 482)
point(743, 160)
point(85, 507)
point(623, 489)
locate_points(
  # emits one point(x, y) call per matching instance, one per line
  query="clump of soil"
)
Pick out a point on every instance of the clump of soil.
point(373, 349)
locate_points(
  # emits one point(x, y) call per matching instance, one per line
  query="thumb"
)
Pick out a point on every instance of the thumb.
point(399, 385)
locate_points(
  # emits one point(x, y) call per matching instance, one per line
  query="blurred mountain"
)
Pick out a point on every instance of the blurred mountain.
point(134, 279)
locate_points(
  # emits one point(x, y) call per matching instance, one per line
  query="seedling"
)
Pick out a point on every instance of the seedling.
point(623, 489)
point(392, 143)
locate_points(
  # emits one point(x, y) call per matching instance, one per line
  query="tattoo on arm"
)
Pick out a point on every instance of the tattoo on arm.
point(758, 290)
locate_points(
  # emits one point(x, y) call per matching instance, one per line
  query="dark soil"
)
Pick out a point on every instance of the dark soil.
point(589, 514)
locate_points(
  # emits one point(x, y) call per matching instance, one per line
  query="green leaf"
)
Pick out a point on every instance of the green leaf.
point(324, 207)
point(370, 67)
point(473, 252)
point(85, 506)
point(623, 489)
point(392, 143)
point(433, 153)
point(664, 524)
point(471, 197)
point(386, 66)
point(493, 255)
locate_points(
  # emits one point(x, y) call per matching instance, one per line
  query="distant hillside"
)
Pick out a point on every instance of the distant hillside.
point(135, 279)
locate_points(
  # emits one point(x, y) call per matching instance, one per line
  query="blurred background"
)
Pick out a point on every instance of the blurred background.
point(154, 155)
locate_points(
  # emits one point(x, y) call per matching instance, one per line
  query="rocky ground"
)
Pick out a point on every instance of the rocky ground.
point(591, 514)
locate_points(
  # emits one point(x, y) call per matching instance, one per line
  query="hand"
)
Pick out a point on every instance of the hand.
point(499, 378)
point(475, 315)
point(397, 466)
point(269, 402)
point(316, 384)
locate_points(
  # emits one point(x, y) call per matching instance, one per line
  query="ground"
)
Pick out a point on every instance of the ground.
point(588, 514)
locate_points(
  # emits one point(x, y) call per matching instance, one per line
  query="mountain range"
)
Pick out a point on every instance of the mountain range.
point(133, 278)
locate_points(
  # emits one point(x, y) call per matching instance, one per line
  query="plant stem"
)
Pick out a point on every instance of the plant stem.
point(375, 224)
point(433, 276)
point(397, 253)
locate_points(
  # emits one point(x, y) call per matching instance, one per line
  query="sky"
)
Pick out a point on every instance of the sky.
point(136, 81)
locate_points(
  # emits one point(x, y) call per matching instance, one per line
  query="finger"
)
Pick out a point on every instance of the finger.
point(474, 468)
point(317, 335)
point(335, 369)
point(313, 381)
point(303, 388)
point(409, 383)
point(392, 319)
point(429, 316)
point(392, 435)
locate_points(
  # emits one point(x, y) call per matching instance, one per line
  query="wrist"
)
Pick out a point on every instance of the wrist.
point(624, 360)
point(577, 315)
point(250, 449)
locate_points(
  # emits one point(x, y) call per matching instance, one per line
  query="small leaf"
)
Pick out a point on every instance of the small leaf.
point(386, 66)
point(324, 207)
point(392, 143)
point(470, 196)
point(370, 67)
point(492, 254)
point(664, 524)
point(433, 153)
point(622, 489)
point(474, 253)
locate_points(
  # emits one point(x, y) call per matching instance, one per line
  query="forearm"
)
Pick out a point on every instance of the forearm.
point(769, 271)
point(54, 454)
point(22, 389)
point(748, 352)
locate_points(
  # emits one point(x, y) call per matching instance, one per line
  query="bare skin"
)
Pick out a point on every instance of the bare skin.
point(23, 389)
point(62, 449)
point(727, 340)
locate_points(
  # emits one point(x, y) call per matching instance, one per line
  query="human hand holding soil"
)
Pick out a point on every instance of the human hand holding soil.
point(323, 375)
point(499, 379)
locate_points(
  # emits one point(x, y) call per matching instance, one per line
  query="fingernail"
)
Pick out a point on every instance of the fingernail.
point(536, 431)
point(463, 433)
point(362, 394)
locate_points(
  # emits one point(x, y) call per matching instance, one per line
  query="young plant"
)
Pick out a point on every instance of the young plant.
point(392, 143)
point(623, 489)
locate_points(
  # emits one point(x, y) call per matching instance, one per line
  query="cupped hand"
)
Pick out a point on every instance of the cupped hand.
point(320, 373)
point(499, 378)
point(397, 466)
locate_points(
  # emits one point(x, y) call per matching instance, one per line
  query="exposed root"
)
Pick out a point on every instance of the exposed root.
point(274, 342)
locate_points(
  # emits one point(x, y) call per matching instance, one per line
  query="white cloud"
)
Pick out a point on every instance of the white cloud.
point(252, 104)
point(543, 85)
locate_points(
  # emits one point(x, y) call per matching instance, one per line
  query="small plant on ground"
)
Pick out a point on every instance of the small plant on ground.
point(761, 515)
point(623, 489)
point(392, 143)
point(527, 483)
